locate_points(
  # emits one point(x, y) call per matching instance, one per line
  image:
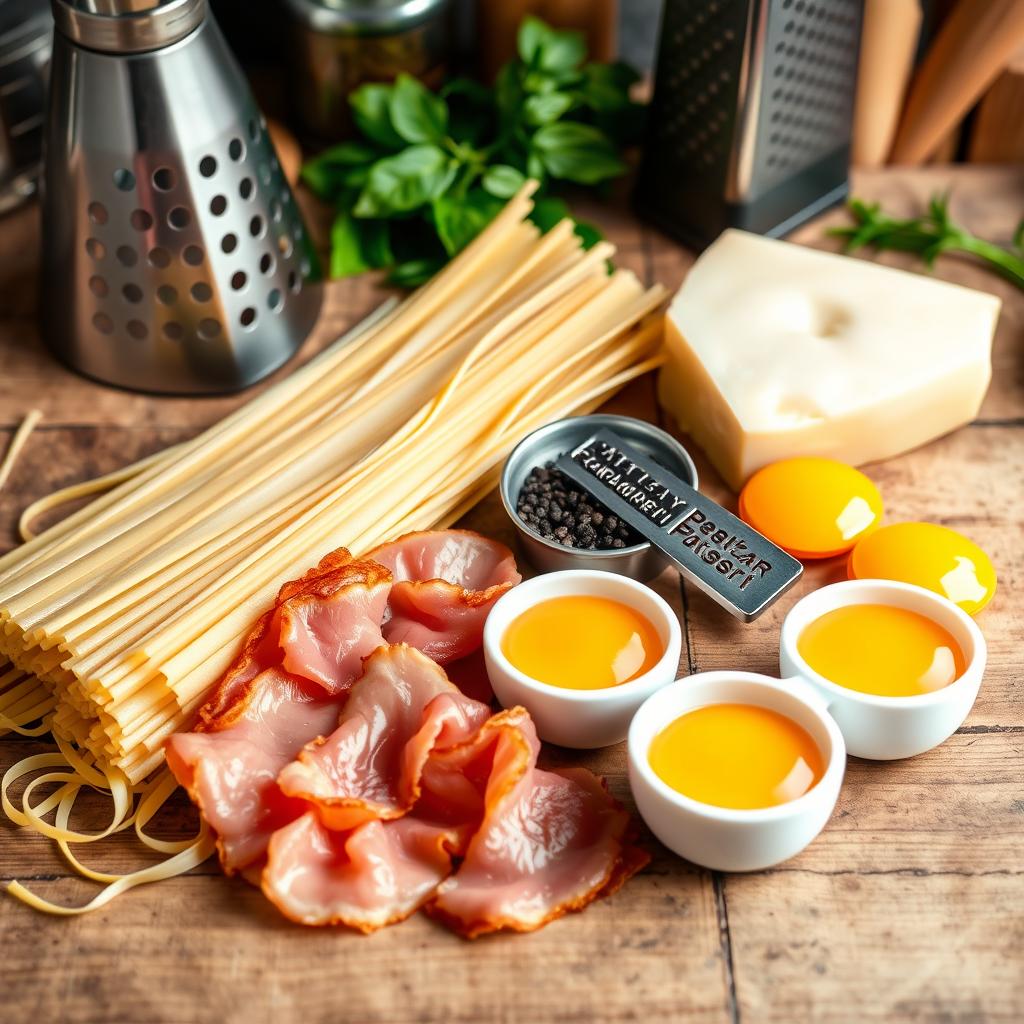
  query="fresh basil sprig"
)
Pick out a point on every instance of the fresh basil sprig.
point(929, 237)
point(430, 170)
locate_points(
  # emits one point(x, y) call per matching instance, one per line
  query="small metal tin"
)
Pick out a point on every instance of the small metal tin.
point(640, 561)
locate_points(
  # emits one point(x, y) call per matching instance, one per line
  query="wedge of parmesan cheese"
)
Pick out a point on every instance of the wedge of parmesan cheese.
point(776, 350)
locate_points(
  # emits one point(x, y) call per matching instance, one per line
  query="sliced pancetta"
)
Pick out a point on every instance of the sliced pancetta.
point(262, 715)
point(230, 767)
point(365, 878)
point(548, 842)
point(354, 782)
point(398, 713)
point(445, 583)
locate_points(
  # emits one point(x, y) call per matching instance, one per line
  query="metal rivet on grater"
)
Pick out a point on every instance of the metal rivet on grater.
point(187, 197)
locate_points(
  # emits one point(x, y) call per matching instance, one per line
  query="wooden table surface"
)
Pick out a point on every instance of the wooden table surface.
point(910, 905)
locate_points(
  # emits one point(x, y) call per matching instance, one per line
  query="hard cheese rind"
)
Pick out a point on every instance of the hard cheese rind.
point(776, 350)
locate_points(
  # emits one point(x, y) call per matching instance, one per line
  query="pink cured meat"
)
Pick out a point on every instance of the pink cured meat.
point(261, 715)
point(325, 631)
point(231, 773)
point(417, 796)
point(365, 878)
point(549, 842)
point(397, 714)
point(445, 583)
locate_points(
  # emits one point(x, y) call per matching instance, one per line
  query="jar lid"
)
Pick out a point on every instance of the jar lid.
point(811, 507)
point(363, 17)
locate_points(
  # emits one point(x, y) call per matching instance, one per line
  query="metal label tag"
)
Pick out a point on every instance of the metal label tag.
point(730, 561)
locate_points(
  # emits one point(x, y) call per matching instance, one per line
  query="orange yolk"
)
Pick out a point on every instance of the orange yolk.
point(881, 649)
point(736, 755)
point(582, 643)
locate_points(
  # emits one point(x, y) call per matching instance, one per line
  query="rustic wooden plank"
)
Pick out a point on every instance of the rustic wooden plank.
point(214, 949)
point(877, 947)
point(934, 843)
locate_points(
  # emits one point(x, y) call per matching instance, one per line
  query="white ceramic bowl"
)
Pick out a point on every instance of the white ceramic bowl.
point(579, 718)
point(723, 838)
point(886, 728)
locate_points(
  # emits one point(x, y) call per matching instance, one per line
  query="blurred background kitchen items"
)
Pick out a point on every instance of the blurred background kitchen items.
point(888, 47)
point(175, 258)
point(497, 22)
point(976, 43)
point(26, 29)
point(751, 117)
point(334, 46)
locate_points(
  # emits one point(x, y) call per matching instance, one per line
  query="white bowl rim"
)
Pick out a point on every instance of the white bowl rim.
point(605, 694)
point(806, 611)
point(831, 778)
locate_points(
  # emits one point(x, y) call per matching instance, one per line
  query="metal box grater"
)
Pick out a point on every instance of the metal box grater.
point(751, 116)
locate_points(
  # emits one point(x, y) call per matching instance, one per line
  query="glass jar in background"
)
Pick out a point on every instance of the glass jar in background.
point(334, 46)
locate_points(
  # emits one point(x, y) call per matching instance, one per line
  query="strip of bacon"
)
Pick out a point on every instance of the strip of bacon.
point(262, 715)
point(446, 581)
point(230, 770)
point(366, 878)
point(398, 713)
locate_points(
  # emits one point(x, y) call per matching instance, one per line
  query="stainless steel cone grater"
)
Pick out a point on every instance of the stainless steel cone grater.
point(175, 258)
point(750, 122)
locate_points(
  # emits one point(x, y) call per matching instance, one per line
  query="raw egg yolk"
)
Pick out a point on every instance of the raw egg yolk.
point(736, 755)
point(932, 556)
point(811, 507)
point(582, 643)
point(881, 649)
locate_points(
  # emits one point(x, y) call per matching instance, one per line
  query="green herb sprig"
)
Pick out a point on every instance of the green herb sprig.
point(929, 237)
point(431, 170)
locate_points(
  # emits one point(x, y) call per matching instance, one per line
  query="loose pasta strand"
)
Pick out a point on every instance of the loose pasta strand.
point(119, 619)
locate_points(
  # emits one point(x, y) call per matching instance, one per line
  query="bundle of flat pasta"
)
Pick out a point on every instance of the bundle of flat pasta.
point(117, 621)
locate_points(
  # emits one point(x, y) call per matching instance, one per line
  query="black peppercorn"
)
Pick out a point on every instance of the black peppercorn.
point(550, 506)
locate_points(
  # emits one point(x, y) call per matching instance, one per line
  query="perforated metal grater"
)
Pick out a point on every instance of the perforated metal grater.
point(174, 255)
point(751, 115)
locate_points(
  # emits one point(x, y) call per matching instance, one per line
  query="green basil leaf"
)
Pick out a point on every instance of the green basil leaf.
point(405, 181)
point(375, 242)
point(1018, 236)
point(370, 108)
point(545, 109)
point(539, 83)
point(532, 38)
point(535, 168)
point(332, 169)
point(502, 181)
point(548, 211)
point(577, 152)
point(508, 91)
point(460, 220)
point(346, 248)
point(562, 51)
point(417, 114)
point(413, 273)
point(471, 111)
point(589, 234)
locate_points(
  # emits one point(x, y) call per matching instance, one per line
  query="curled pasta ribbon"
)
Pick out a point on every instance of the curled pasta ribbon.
point(86, 489)
point(197, 851)
point(183, 854)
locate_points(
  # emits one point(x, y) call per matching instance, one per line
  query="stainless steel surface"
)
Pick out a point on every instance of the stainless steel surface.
point(26, 29)
point(127, 26)
point(334, 46)
point(641, 561)
point(720, 554)
point(751, 116)
point(175, 258)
